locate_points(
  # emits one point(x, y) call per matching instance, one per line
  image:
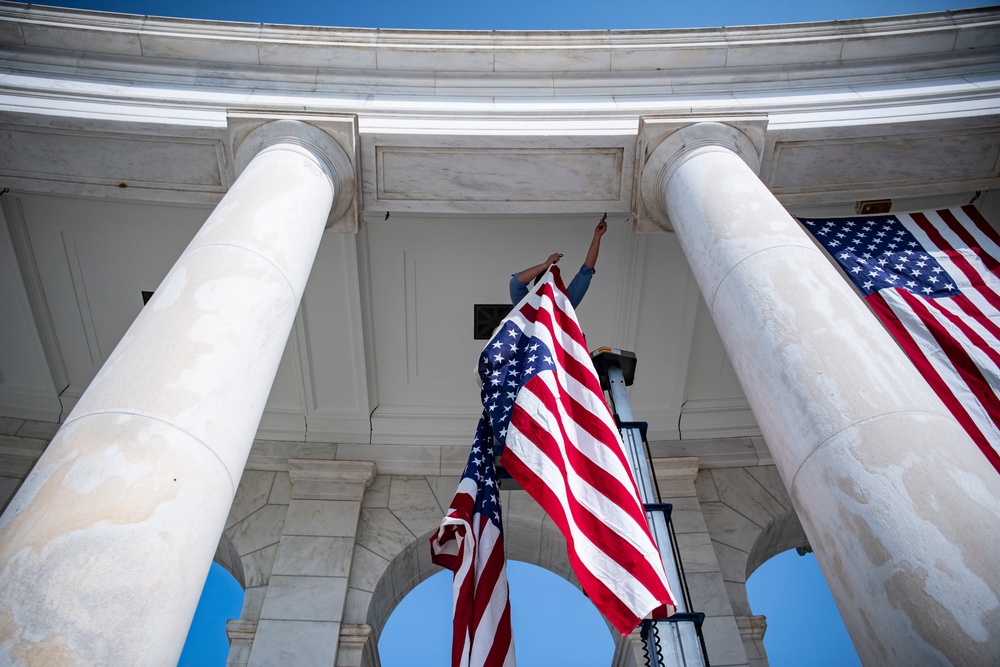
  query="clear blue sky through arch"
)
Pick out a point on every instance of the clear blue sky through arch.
point(221, 600)
point(556, 15)
point(554, 623)
point(802, 618)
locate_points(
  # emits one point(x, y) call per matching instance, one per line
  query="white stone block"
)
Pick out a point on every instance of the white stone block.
point(317, 556)
point(299, 643)
point(383, 533)
point(413, 503)
point(333, 518)
point(305, 598)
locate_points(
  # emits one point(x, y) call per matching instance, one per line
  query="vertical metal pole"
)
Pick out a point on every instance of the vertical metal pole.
point(679, 640)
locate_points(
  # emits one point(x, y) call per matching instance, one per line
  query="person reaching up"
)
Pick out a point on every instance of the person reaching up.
point(577, 287)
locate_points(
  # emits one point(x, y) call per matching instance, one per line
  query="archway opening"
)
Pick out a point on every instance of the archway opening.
point(803, 623)
point(553, 623)
point(221, 600)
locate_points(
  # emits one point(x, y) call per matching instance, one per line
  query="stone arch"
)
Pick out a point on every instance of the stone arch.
point(783, 533)
point(392, 553)
point(748, 514)
point(252, 533)
point(228, 556)
point(750, 518)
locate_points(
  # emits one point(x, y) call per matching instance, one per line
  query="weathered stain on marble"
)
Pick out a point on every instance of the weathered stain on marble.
point(933, 582)
point(135, 484)
point(865, 536)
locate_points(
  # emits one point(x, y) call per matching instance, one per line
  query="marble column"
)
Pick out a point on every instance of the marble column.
point(900, 506)
point(300, 622)
point(104, 550)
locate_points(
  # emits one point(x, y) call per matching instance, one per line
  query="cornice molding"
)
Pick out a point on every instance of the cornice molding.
point(81, 21)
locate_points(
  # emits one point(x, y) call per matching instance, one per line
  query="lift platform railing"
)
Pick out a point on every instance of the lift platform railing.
point(676, 641)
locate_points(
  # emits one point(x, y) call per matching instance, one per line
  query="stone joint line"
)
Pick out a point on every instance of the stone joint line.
point(740, 263)
point(201, 442)
point(869, 420)
point(291, 288)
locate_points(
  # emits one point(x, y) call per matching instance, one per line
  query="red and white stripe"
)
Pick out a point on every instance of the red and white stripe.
point(563, 448)
point(955, 341)
point(472, 547)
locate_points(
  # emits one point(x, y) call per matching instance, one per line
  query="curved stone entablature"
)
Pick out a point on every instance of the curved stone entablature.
point(618, 73)
point(810, 46)
point(552, 116)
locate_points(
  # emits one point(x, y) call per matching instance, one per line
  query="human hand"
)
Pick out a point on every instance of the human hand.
point(553, 258)
point(602, 227)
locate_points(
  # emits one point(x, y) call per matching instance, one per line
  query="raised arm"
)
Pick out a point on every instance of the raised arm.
point(595, 244)
point(530, 274)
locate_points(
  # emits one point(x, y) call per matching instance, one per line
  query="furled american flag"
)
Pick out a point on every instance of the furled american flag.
point(561, 445)
point(932, 279)
point(470, 543)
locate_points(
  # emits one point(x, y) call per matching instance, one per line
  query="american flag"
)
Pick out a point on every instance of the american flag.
point(932, 279)
point(470, 543)
point(560, 443)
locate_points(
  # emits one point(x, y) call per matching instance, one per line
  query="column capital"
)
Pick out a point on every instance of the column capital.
point(332, 141)
point(357, 645)
point(330, 480)
point(665, 143)
point(240, 630)
point(676, 475)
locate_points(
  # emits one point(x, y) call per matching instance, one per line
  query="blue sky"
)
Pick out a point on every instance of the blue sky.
point(522, 14)
point(789, 589)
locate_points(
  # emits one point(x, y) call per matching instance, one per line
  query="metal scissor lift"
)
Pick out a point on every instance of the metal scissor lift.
point(677, 640)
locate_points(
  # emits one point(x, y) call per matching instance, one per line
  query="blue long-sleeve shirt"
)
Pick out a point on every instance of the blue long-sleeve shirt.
point(576, 289)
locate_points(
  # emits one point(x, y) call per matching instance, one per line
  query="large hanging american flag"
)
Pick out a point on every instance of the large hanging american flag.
point(561, 445)
point(932, 278)
point(470, 543)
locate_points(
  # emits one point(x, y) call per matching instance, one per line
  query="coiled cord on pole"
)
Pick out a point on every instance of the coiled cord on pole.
point(647, 627)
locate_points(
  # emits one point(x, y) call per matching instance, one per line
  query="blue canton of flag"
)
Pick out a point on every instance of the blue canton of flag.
point(509, 360)
point(481, 469)
point(879, 252)
point(933, 279)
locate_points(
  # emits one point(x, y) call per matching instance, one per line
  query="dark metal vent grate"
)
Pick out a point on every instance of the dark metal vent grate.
point(487, 317)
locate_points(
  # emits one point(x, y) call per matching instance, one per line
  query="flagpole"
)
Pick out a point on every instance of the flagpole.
point(678, 639)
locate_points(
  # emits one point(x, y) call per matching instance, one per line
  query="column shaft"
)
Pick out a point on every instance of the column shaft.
point(105, 548)
point(899, 505)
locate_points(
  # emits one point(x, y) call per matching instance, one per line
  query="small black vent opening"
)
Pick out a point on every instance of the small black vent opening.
point(487, 317)
point(146, 296)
